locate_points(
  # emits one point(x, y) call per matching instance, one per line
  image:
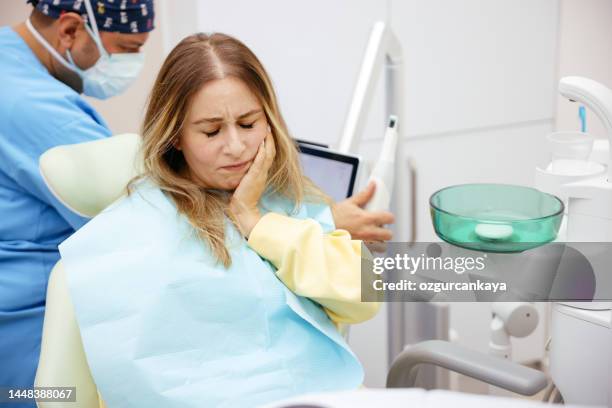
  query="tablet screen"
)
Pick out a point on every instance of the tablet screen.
point(333, 172)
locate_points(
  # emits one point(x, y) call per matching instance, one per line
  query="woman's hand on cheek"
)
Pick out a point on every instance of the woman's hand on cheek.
point(243, 204)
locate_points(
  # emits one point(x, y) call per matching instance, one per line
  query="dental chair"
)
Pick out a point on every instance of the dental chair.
point(87, 177)
point(82, 179)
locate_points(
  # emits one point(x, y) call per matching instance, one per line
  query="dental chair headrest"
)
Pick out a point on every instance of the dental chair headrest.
point(87, 177)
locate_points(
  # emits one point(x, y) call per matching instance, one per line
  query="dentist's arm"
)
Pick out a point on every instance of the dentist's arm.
point(62, 358)
point(350, 215)
point(323, 267)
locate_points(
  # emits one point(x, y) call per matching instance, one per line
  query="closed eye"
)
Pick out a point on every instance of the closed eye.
point(211, 134)
point(247, 126)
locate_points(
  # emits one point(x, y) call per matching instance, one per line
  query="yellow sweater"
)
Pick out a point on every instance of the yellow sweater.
point(323, 267)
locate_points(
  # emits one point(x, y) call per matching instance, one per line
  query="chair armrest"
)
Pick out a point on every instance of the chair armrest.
point(492, 370)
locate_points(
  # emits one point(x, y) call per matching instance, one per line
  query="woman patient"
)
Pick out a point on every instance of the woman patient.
point(220, 279)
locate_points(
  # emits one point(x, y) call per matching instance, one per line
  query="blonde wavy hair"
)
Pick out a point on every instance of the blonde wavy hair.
point(195, 61)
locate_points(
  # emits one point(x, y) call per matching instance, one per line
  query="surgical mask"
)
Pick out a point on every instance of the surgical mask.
point(110, 75)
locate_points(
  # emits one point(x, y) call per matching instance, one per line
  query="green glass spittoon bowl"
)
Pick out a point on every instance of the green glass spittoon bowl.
point(495, 217)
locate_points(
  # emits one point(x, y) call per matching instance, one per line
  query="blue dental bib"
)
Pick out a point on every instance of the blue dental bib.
point(164, 325)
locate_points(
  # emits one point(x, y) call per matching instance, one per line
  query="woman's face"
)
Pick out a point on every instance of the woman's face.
point(225, 126)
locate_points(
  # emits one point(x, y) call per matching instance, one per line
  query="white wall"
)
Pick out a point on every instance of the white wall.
point(585, 50)
point(312, 51)
point(13, 12)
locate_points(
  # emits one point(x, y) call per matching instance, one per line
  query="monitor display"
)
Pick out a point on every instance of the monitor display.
point(333, 172)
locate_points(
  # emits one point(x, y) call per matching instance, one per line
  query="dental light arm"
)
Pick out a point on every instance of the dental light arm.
point(596, 97)
point(383, 48)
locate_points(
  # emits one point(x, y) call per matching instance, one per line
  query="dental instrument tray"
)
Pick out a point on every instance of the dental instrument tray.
point(495, 217)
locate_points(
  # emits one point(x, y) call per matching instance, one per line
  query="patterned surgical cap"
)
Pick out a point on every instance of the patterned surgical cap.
point(124, 16)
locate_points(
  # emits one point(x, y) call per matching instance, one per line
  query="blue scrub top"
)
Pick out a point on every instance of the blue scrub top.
point(37, 112)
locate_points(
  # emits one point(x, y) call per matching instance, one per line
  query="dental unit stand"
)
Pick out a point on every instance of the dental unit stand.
point(510, 319)
point(384, 51)
point(581, 333)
